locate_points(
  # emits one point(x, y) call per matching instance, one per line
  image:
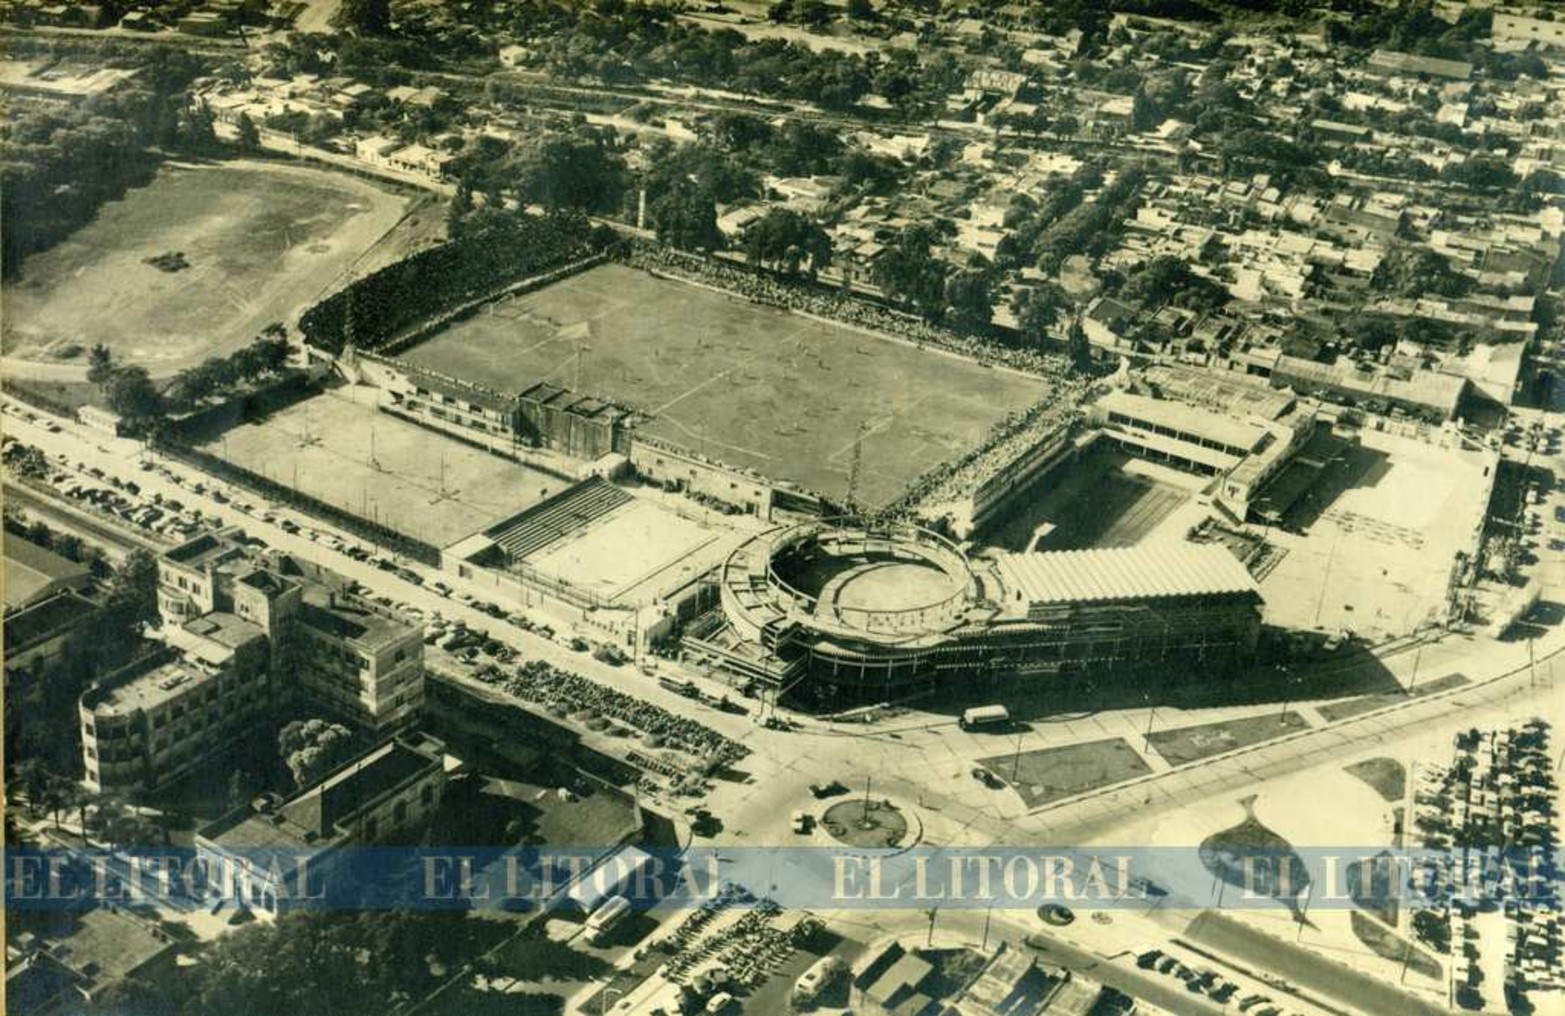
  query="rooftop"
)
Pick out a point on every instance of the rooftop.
point(315, 814)
point(1146, 571)
point(209, 549)
point(1185, 419)
point(347, 617)
point(31, 569)
point(148, 684)
point(45, 619)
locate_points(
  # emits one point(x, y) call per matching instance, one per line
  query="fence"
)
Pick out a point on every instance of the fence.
point(418, 550)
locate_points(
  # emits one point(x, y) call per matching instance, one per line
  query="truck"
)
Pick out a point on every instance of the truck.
point(610, 914)
point(985, 716)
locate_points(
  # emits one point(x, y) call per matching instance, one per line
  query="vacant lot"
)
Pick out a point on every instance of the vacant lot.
point(749, 385)
point(261, 242)
point(1376, 537)
point(417, 482)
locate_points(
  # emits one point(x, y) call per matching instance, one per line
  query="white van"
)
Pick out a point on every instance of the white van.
point(611, 913)
point(985, 716)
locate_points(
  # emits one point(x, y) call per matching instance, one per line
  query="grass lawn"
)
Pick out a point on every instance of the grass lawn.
point(262, 241)
point(1191, 744)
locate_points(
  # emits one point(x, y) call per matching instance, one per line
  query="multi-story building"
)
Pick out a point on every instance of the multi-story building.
point(246, 632)
point(261, 854)
point(155, 720)
point(358, 660)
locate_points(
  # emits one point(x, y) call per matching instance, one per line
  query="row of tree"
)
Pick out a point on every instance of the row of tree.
point(61, 164)
point(128, 390)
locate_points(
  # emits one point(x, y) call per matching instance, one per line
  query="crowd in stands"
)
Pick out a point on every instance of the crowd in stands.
point(838, 306)
point(430, 282)
point(1009, 438)
point(549, 686)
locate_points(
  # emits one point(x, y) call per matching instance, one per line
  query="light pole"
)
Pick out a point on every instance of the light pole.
point(1151, 716)
point(1288, 681)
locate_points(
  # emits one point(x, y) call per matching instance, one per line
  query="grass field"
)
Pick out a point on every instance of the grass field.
point(262, 242)
point(1050, 774)
point(1191, 744)
point(749, 385)
point(423, 485)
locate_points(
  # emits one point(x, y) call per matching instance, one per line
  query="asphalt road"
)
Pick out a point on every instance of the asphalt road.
point(1361, 992)
point(118, 541)
point(1163, 990)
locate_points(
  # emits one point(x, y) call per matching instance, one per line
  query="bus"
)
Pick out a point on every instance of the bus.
point(609, 915)
point(985, 716)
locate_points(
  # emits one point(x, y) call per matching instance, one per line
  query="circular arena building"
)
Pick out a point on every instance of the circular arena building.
point(859, 603)
point(838, 611)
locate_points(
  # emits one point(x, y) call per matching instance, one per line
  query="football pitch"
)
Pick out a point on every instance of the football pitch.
point(749, 385)
point(259, 242)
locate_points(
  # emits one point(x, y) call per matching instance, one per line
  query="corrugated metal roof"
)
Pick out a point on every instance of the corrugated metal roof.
point(1146, 571)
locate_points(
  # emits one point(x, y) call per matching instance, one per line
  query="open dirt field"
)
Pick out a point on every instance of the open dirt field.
point(746, 384)
point(262, 241)
point(1379, 534)
point(323, 446)
point(635, 552)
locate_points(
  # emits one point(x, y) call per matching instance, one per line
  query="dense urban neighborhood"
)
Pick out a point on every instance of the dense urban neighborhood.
point(848, 506)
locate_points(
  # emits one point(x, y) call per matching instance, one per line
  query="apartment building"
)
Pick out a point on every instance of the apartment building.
point(244, 633)
point(157, 719)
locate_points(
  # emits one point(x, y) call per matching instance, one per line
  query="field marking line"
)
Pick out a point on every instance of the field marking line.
point(740, 365)
point(713, 441)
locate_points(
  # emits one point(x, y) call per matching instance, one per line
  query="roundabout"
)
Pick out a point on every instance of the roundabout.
point(866, 824)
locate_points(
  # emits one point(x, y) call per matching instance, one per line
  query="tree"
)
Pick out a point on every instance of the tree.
point(969, 298)
point(861, 10)
point(460, 208)
point(1481, 172)
point(249, 135)
point(686, 217)
point(32, 778)
point(366, 17)
point(786, 239)
point(909, 273)
point(39, 532)
point(68, 546)
point(313, 748)
point(132, 600)
point(1037, 310)
point(130, 393)
point(100, 364)
point(1077, 347)
point(814, 13)
point(569, 172)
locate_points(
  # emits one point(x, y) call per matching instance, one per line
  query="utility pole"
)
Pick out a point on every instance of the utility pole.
point(855, 467)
